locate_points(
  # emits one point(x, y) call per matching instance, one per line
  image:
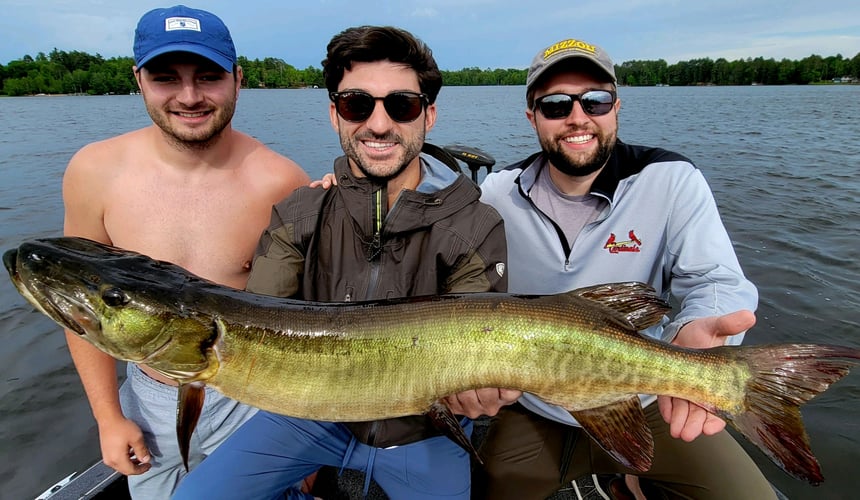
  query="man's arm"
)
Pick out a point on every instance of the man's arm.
point(278, 265)
point(703, 270)
point(119, 438)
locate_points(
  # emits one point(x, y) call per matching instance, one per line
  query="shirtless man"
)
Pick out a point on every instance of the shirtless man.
point(190, 190)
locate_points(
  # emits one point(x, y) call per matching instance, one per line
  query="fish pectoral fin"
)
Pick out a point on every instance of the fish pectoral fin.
point(188, 409)
point(447, 423)
point(622, 431)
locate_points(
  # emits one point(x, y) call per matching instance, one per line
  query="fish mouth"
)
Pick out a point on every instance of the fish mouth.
point(71, 313)
point(10, 261)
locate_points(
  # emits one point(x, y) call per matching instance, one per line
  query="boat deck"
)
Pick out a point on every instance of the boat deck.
point(99, 482)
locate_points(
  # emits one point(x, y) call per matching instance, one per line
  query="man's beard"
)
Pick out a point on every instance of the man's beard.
point(568, 164)
point(372, 172)
point(197, 139)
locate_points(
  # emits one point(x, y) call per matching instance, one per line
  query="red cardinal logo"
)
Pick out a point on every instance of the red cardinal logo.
point(630, 245)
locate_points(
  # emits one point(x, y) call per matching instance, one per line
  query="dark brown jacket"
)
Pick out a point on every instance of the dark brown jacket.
point(341, 245)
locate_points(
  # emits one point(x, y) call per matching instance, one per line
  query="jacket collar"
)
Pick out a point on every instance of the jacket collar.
point(624, 162)
point(413, 209)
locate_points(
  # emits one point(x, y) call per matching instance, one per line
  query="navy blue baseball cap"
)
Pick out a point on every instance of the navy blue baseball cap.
point(183, 29)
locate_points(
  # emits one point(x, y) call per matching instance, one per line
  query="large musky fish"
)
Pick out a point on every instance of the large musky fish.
point(379, 359)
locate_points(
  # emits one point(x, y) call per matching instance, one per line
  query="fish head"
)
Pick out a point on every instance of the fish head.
point(126, 304)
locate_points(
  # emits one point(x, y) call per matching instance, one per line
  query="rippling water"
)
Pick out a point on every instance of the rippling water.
point(783, 162)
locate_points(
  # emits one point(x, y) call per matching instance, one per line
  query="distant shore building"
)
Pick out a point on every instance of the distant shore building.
point(845, 79)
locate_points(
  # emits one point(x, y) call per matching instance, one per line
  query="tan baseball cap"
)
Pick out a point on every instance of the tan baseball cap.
point(566, 50)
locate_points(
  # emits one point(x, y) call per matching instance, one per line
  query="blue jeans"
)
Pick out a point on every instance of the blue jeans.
point(271, 453)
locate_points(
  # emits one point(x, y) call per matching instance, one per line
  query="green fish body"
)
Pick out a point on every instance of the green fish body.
point(379, 359)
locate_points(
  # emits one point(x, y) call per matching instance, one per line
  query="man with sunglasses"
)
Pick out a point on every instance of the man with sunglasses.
point(590, 209)
point(398, 223)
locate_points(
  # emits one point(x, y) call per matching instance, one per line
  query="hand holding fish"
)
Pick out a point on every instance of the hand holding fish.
point(359, 361)
point(121, 445)
point(688, 420)
point(477, 402)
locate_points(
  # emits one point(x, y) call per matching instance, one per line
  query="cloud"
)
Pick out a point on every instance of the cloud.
point(463, 33)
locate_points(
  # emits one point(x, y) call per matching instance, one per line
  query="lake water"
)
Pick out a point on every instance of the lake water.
point(783, 162)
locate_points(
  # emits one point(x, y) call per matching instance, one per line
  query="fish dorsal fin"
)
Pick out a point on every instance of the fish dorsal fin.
point(622, 431)
point(633, 304)
point(188, 410)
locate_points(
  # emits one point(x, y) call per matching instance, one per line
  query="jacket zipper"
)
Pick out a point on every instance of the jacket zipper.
point(375, 250)
point(374, 259)
point(565, 245)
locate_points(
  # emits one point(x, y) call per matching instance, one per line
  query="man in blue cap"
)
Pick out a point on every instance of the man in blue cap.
point(190, 190)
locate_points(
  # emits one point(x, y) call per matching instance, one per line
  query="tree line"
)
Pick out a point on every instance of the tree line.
point(75, 72)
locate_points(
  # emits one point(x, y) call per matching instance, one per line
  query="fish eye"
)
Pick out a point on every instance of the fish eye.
point(114, 297)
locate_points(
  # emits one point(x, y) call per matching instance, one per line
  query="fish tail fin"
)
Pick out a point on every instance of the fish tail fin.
point(784, 378)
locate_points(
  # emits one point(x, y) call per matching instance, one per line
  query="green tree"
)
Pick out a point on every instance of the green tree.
point(854, 66)
point(100, 83)
point(313, 76)
point(812, 69)
point(75, 72)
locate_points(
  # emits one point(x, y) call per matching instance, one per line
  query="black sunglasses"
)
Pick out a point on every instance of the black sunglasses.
point(593, 102)
point(355, 106)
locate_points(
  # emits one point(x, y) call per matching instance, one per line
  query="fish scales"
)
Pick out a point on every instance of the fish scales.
point(388, 358)
point(358, 366)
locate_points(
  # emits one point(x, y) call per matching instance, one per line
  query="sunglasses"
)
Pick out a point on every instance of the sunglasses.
point(355, 106)
point(593, 102)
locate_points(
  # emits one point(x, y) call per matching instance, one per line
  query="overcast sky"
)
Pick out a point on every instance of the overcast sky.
point(462, 33)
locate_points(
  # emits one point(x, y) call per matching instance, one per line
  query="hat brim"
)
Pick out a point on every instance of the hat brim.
point(224, 62)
